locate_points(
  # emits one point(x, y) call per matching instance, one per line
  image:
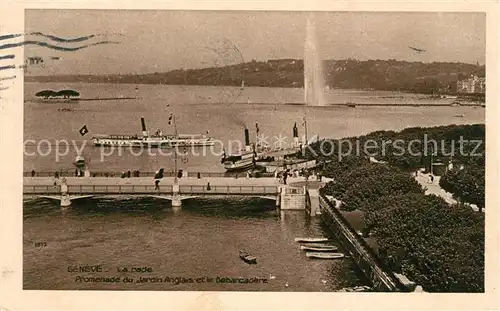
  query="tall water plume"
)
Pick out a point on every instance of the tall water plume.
point(314, 80)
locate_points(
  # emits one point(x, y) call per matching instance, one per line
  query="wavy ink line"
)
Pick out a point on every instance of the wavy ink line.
point(54, 47)
point(11, 36)
point(10, 56)
point(4, 88)
point(59, 39)
point(7, 67)
point(7, 78)
point(69, 40)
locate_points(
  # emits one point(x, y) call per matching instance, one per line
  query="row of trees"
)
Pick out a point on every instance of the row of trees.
point(393, 75)
point(467, 185)
point(439, 246)
point(412, 147)
point(63, 93)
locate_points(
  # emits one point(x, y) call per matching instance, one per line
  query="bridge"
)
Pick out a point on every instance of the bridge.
point(68, 189)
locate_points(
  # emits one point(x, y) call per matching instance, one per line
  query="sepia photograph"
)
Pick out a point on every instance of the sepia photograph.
point(251, 151)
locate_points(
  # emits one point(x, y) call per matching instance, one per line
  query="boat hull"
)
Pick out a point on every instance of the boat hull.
point(249, 259)
point(319, 249)
point(238, 166)
point(311, 240)
point(140, 143)
point(317, 245)
point(317, 255)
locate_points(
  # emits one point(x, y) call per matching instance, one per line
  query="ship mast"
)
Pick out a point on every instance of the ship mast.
point(431, 168)
point(305, 128)
point(175, 150)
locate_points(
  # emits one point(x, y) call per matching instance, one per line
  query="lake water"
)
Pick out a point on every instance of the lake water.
point(223, 111)
point(201, 239)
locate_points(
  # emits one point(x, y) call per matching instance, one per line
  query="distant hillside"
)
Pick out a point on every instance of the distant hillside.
point(391, 75)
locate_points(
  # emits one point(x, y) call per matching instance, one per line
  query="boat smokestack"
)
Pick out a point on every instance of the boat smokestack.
point(247, 140)
point(144, 131)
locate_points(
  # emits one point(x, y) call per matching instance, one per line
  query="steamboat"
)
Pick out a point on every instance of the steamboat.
point(157, 140)
point(253, 156)
point(242, 160)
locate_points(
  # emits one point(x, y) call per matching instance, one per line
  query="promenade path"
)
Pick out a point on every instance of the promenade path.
point(434, 188)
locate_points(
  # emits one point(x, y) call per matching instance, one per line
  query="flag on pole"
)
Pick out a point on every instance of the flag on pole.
point(84, 130)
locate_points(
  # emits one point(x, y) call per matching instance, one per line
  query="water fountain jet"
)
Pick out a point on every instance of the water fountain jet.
point(314, 81)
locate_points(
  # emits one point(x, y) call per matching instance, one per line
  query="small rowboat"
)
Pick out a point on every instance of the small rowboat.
point(311, 240)
point(313, 247)
point(248, 258)
point(317, 245)
point(325, 255)
point(356, 289)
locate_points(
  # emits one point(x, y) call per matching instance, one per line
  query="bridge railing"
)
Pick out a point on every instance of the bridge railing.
point(66, 173)
point(198, 189)
point(151, 189)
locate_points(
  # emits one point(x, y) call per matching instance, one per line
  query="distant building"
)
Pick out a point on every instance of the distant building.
point(281, 63)
point(472, 85)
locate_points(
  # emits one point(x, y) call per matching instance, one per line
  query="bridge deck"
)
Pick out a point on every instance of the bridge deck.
point(145, 185)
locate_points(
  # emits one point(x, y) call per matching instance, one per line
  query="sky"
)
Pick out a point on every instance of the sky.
point(158, 41)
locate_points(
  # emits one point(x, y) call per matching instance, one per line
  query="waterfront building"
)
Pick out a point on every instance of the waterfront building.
point(472, 85)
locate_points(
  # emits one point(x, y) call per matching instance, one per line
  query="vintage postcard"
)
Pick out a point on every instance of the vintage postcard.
point(207, 157)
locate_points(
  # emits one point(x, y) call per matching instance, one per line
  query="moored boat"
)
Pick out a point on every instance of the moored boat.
point(246, 257)
point(356, 289)
point(158, 140)
point(318, 249)
point(317, 245)
point(237, 162)
point(241, 160)
point(320, 255)
point(311, 240)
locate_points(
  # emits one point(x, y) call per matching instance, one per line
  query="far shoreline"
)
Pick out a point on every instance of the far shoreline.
point(378, 94)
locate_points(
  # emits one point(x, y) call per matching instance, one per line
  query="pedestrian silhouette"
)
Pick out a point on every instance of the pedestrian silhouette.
point(157, 184)
point(208, 186)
